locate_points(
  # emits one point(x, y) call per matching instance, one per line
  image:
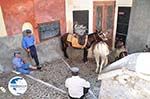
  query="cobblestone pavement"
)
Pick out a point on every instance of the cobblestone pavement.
point(54, 73)
point(35, 90)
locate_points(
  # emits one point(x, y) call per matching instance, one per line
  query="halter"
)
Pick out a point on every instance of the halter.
point(102, 35)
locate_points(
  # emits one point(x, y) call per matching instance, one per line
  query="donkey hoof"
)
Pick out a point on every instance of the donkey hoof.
point(96, 72)
point(66, 57)
point(86, 62)
point(99, 72)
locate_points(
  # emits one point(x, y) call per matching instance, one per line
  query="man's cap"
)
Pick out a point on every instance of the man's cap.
point(28, 31)
point(17, 52)
point(74, 69)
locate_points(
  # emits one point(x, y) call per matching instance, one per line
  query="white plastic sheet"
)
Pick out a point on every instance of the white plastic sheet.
point(143, 63)
point(138, 62)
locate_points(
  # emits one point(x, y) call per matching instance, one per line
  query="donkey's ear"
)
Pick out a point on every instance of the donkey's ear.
point(98, 30)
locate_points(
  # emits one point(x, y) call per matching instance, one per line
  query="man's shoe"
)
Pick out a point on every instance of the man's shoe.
point(39, 68)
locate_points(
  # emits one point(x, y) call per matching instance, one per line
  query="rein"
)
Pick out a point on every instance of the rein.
point(95, 38)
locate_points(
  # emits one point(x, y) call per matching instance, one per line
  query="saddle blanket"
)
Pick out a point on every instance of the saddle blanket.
point(74, 41)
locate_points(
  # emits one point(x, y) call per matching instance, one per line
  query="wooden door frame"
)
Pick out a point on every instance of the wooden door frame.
point(104, 5)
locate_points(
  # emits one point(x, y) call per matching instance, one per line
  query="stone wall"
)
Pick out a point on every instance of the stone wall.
point(139, 26)
point(48, 50)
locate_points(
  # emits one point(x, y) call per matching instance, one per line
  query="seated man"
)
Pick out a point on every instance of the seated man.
point(77, 87)
point(20, 65)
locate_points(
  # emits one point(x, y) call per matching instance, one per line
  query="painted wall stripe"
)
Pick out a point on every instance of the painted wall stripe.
point(2, 25)
point(45, 83)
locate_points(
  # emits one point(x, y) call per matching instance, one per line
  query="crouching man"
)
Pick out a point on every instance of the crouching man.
point(77, 87)
point(20, 65)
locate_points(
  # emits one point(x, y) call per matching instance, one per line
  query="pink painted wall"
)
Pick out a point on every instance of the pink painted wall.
point(17, 12)
point(50, 10)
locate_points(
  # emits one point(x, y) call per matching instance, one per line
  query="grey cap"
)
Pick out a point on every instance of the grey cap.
point(17, 52)
point(74, 69)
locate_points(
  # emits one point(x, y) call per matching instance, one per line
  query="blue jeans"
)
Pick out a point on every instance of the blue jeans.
point(24, 69)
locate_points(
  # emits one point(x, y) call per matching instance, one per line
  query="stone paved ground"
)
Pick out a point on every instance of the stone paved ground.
point(35, 90)
point(134, 88)
point(54, 73)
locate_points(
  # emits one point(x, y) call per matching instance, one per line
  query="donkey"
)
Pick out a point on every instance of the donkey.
point(94, 37)
point(100, 51)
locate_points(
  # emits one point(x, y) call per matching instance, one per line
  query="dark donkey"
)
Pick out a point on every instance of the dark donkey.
point(94, 37)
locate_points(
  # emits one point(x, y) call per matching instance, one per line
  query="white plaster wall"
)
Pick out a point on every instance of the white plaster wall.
point(72, 5)
point(2, 25)
point(119, 3)
point(124, 2)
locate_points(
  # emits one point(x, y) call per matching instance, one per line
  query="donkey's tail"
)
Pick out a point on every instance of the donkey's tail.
point(62, 44)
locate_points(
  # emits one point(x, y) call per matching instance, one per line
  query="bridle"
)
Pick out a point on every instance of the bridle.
point(102, 35)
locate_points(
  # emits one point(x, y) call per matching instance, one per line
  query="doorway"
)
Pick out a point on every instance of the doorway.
point(103, 17)
point(81, 17)
point(123, 23)
point(25, 26)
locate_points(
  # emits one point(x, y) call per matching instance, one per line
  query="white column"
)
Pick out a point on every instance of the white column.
point(69, 16)
point(115, 26)
point(3, 31)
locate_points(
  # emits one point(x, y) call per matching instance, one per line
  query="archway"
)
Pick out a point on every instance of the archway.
point(25, 26)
